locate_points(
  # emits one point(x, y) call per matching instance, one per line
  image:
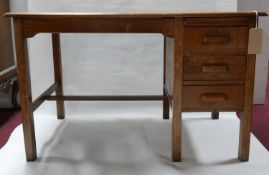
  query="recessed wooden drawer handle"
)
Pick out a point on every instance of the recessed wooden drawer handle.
point(216, 39)
point(214, 68)
point(213, 97)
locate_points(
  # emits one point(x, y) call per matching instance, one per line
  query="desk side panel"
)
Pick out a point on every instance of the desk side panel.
point(169, 62)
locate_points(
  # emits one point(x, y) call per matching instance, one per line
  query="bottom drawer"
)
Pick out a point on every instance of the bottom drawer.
point(207, 98)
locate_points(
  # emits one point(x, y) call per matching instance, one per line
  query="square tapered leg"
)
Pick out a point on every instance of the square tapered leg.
point(177, 90)
point(25, 91)
point(246, 118)
point(56, 45)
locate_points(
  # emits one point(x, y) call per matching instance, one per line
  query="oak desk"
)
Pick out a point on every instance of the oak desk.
point(206, 64)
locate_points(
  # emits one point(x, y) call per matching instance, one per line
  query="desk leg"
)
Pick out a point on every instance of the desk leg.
point(215, 114)
point(25, 91)
point(177, 90)
point(56, 46)
point(246, 118)
point(165, 95)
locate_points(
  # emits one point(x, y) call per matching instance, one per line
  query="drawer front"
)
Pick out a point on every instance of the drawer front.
point(207, 98)
point(214, 68)
point(215, 40)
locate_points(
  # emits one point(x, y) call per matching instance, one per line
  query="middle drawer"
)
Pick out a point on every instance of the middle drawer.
point(214, 68)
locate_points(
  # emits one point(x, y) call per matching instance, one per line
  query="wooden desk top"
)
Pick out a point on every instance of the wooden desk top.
point(34, 23)
point(134, 15)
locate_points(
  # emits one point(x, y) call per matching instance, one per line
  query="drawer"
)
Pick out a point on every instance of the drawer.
point(215, 40)
point(207, 98)
point(214, 68)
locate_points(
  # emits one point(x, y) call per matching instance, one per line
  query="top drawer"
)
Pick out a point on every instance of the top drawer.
point(215, 41)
